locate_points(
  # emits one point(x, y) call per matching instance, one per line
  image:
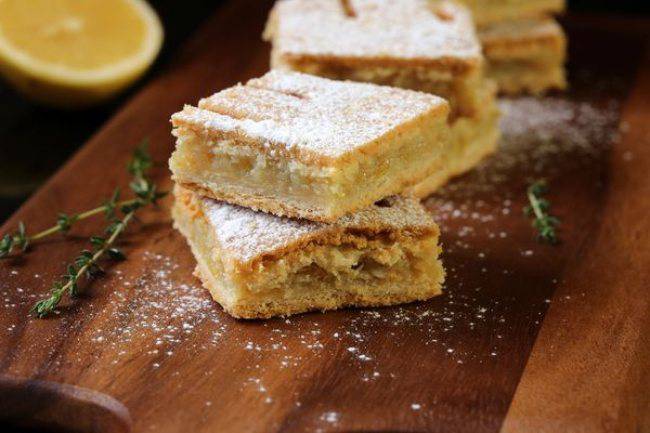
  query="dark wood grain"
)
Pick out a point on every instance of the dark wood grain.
point(591, 362)
point(148, 335)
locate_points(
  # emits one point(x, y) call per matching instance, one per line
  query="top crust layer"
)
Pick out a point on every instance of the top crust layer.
point(310, 117)
point(376, 32)
point(245, 236)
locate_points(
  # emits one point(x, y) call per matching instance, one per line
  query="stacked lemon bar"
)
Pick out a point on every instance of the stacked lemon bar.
point(421, 45)
point(524, 45)
point(287, 192)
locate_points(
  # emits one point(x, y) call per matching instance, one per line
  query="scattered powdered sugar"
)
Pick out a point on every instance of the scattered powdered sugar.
point(150, 312)
point(165, 312)
point(537, 133)
point(556, 125)
point(331, 417)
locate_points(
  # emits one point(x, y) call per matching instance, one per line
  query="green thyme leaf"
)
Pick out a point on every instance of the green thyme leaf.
point(539, 209)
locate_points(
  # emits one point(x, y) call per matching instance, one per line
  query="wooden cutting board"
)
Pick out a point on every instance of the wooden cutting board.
point(528, 338)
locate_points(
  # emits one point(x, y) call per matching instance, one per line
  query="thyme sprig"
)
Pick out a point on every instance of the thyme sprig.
point(86, 264)
point(539, 209)
point(19, 241)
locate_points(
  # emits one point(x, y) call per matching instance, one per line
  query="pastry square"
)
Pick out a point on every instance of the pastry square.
point(493, 11)
point(307, 147)
point(413, 44)
point(526, 55)
point(258, 265)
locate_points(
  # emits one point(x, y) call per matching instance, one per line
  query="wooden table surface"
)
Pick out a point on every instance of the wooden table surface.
point(527, 338)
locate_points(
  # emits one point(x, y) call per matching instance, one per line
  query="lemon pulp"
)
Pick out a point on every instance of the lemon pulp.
point(68, 52)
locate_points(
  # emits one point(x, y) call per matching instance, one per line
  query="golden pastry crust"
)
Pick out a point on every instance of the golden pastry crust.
point(257, 265)
point(396, 43)
point(256, 203)
point(256, 235)
point(472, 140)
point(333, 300)
point(516, 78)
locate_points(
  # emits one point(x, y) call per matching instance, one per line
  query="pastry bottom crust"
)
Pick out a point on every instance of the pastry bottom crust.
point(325, 300)
point(257, 202)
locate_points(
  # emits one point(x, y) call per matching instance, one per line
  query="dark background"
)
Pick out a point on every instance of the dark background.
point(35, 141)
point(626, 6)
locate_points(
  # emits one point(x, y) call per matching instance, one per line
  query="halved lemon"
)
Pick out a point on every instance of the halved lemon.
point(76, 52)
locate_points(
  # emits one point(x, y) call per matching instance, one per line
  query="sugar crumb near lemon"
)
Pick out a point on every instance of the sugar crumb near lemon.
point(76, 52)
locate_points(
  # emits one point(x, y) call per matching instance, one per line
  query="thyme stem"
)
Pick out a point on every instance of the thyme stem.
point(77, 217)
point(539, 208)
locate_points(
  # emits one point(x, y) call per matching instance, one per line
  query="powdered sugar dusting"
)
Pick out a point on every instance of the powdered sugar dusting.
point(158, 315)
point(314, 116)
point(402, 30)
point(537, 133)
point(246, 234)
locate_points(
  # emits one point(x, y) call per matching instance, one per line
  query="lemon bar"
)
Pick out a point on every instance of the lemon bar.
point(493, 11)
point(258, 265)
point(307, 147)
point(414, 44)
point(525, 55)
